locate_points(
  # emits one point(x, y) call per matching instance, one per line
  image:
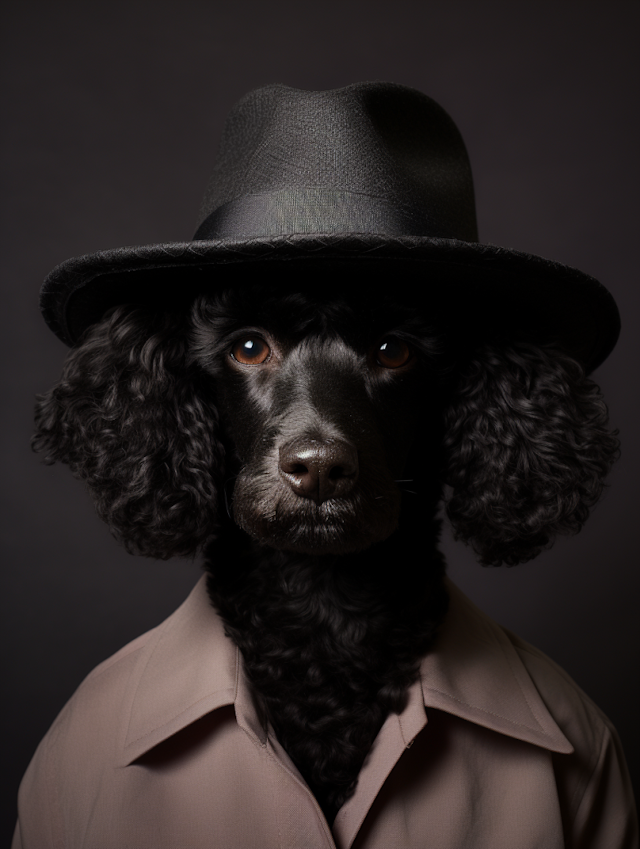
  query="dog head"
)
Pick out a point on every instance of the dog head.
point(314, 415)
point(330, 407)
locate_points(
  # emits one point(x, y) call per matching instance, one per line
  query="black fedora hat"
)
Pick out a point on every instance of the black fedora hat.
point(371, 180)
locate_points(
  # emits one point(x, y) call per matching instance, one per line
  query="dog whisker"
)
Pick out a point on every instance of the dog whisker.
point(404, 489)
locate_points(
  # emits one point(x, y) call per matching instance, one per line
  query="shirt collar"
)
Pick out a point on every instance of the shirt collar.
point(188, 668)
point(476, 673)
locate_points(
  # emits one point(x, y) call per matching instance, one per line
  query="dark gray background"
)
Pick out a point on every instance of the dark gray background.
point(111, 117)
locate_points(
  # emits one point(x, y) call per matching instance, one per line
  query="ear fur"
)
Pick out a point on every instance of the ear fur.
point(528, 449)
point(133, 420)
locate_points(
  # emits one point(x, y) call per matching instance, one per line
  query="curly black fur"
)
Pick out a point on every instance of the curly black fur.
point(131, 419)
point(528, 450)
point(330, 647)
point(152, 415)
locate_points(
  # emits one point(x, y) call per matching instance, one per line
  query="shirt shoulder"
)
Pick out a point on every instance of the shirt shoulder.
point(99, 696)
point(79, 746)
point(579, 718)
point(593, 783)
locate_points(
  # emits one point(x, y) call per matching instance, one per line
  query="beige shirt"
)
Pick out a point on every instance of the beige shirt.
point(161, 748)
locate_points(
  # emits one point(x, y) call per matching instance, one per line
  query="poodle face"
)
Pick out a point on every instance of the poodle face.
point(327, 406)
point(312, 414)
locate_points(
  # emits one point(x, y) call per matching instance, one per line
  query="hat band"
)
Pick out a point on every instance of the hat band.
point(310, 210)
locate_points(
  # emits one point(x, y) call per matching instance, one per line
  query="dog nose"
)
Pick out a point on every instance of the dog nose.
point(319, 469)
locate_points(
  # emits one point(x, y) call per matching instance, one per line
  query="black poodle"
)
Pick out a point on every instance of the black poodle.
point(303, 440)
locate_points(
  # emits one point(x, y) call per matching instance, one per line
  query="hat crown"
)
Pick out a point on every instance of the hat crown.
point(370, 182)
point(370, 157)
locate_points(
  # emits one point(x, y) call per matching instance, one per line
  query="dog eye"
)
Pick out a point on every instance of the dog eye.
point(393, 353)
point(250, 351)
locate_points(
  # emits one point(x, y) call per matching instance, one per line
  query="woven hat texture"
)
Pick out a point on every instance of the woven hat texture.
point(364, 185)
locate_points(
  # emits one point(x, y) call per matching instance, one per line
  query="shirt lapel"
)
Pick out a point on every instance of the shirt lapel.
point(186, 669)
point(475, 672)
point(396, 735)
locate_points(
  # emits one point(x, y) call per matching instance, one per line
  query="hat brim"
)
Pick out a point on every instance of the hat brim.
point(518, 294)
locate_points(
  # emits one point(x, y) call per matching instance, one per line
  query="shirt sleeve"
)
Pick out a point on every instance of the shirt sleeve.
point(606, 815)
point(35, 827)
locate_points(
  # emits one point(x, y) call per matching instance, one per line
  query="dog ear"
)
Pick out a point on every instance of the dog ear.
point(131, 418)
point(528, 449)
